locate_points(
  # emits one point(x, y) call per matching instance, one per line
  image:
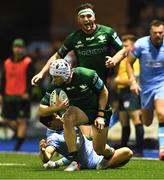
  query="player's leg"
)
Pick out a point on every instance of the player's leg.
point(159, 107)
point(72, 117)
point(147, 109)
point(86, 131)
point(120, 157)
point(99, 142)
point(124, 120)
point(9, 115)
point(23, 113)
point(56, 164)
point(139, 131)
point(147, 116)
point(21, 133)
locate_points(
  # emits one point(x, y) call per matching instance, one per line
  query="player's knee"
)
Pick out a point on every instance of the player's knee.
point(147, 123)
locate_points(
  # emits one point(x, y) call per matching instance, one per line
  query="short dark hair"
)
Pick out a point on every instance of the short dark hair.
point(156, 22)
point(130, 37)
point(85, 6)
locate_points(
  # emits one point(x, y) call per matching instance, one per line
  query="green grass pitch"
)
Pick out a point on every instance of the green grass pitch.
point(28, 166)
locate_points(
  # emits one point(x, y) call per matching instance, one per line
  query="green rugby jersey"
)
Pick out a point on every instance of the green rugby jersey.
point(82, 91)
point(91, 49)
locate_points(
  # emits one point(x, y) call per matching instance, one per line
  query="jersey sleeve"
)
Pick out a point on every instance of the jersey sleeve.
point(66, 46)
point(136, 50)
point(96, 82)
point(115, 40)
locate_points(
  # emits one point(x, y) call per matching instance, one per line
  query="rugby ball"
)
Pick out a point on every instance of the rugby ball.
point(61, 94)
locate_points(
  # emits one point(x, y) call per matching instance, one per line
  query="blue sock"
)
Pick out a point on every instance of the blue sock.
point(66, 161)
point(161, 135)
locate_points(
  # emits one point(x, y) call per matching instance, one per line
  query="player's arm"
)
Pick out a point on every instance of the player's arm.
point(61, 53)
point(102, 93)
point(45, 69)
point(116, 43)
point(119, 56)
point(129, 67)
point(46, 152)
point(46, 110)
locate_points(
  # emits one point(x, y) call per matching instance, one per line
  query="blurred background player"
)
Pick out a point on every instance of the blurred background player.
point(150, 52)
point(129, 102)
point(15, 90)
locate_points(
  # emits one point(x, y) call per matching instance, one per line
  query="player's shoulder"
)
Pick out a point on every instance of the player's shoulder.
point(75, 33)
point(82, 71)
point(105, 28)
point(27, 59)
point(143, 41)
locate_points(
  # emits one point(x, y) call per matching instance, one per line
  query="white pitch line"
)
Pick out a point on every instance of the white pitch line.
point(142, 158)
point(12, 164)
point(19, 152)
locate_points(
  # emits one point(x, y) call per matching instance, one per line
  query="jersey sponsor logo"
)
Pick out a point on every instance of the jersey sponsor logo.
point(102, 38)
point(83, 87)
point(70, 88)
point(89, 38)
point(95, 51)
point(154, 64)
point(79, 44)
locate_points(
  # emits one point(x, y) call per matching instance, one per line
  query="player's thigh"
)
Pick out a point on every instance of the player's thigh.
point(10, 110)
point(86, 130)
point(159, 108)
point(75, 115)
point(99, 137)
point(24, 110)
point(124, 118)
point(128, 101)
point(135, 116)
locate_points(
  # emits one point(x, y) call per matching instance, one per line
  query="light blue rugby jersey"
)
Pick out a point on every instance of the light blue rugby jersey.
point(86, 154)
point(151, 63)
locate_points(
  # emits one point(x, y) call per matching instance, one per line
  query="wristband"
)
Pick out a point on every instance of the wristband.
point(100, 113)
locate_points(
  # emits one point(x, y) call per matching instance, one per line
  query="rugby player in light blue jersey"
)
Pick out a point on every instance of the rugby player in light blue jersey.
point(150, 51)
point(88, 158)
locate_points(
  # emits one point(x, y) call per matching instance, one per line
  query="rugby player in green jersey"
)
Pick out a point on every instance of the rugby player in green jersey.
point(92, 45)
point(87, 103)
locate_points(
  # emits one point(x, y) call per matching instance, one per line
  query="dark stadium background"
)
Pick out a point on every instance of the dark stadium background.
point(49, 21)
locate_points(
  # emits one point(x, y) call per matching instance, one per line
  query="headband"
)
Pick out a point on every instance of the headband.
point(86, 11)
